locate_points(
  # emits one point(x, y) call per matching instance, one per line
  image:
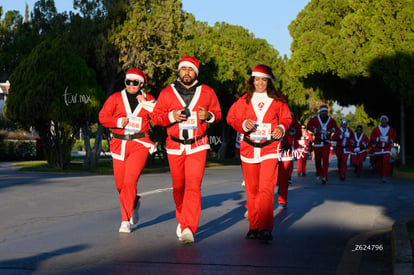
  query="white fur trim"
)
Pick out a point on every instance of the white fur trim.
point(135, 76)
point(187, 64)
point(261, 75)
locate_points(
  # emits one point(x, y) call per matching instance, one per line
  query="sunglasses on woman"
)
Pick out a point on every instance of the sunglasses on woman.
point(130, 82)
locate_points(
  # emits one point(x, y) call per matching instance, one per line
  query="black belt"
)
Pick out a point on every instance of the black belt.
point(186, 141)
point(129, 137)
point(258, 145)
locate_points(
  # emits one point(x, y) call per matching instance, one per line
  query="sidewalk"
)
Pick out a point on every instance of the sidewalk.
point(402, 249)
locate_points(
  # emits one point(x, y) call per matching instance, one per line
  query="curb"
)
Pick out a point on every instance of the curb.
point(402, 253)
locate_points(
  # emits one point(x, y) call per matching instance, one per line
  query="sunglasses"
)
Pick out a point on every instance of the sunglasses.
point(133, 82)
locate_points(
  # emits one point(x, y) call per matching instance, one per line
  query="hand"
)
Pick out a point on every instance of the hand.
point(141, 98)
point(277, 133)
point(178, 116)
point(124, 122)
point(203, 114)
point(249, 124)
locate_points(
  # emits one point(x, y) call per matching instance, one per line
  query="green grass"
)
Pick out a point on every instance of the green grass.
point(75, 166)
point(105, 166)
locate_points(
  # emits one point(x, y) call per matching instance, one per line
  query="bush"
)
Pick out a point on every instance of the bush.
point(17, 149)
point(80, 145)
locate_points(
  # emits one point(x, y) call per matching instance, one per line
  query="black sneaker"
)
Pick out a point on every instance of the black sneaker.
point(265, 236)
point(252, 234)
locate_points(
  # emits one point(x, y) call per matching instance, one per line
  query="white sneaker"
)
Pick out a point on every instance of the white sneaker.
point(125, 227)
point(135, 215)
point(187, 236)
point(178, 232)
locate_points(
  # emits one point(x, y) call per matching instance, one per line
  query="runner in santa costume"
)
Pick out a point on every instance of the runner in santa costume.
point(302, 153)
point(289, 146)
point(359, 151)
point(322, 126)
point(263, 116)
point(382, 139)
point(128, 119)
point(186, 107)
point(343, 138)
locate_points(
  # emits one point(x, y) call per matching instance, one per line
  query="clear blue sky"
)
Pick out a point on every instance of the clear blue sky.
point(267, 19)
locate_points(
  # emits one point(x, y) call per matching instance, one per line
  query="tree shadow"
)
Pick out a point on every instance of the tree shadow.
point(31, 263)
point(212, 227)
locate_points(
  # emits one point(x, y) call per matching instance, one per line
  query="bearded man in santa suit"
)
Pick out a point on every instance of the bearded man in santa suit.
point(126, 114)
point(322, 126)
point(382, 139)
point(186, 108)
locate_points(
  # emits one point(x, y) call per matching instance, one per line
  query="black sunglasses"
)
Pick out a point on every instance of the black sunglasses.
point(133, 82)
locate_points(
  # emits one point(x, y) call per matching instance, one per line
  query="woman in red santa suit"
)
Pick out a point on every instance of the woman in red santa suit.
point(382, 139)
point(263, 116)
point(359, 151)
point(186, 107)
point(343, 139)
point(127, 116)
point(322, 126)
point(302, 153)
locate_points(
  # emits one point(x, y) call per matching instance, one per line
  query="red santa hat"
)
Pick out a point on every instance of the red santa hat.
point(189, 61)
point(323, 108)
point(136, 74)
point(263, 71)
point(384, 117)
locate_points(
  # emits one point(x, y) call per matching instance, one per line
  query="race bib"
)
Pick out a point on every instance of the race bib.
point(301, 142)
point(383, 139)
point(134, 125)
point(356, 149)
point(346, 134)
point(190, 123)
point(263, 132)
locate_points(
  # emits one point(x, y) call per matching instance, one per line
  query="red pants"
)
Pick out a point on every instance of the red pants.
point(322, 160)
point(383, 164)
point(127, 173)
point(187, 173)
point(342, 159)
point(260, 180)
point(358, 160)
point(302, 158)
point(285, 168)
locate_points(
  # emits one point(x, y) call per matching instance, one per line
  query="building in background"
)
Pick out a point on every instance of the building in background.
point(4, 92)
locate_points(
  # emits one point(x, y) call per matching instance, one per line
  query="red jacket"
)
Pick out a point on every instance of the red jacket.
point(276, 113)
point(322, 131)
point(382, 139)
point(360, 144)
point(170, 100)
point(290, 142)
point(117, 107)
point(304, 142)
point(343, 139)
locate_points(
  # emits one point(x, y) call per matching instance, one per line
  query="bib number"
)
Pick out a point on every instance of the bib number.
point(134, 125)
point(263, 132)
point(190, 123)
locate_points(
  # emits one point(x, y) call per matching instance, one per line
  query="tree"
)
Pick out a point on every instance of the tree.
point(54, 91)
point(356, 51)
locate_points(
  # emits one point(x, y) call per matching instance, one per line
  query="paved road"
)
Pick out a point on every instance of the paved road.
point(68, 224)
